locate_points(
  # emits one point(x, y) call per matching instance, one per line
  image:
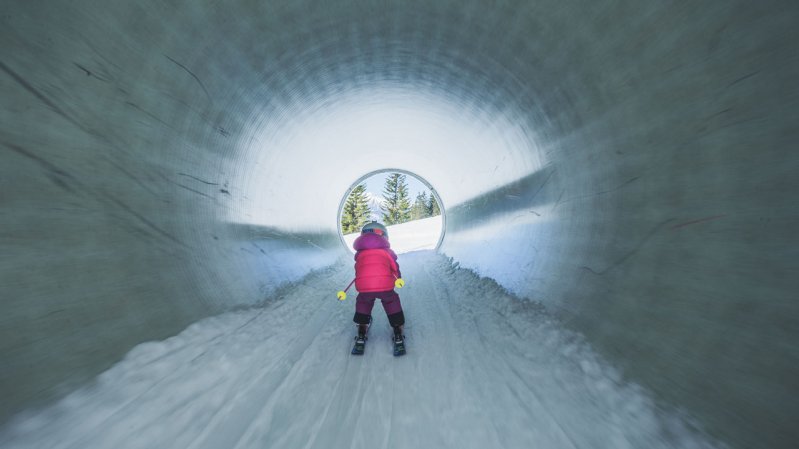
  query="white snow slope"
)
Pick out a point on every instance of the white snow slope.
point(483, 370)
point(411, 236)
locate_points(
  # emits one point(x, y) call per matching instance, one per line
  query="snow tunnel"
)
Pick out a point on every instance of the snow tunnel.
point(629, 166)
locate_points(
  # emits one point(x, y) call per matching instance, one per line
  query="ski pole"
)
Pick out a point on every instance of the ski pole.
point(342, 295)
point(398, 282)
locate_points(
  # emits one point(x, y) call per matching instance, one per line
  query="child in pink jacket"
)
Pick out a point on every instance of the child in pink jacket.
point(376, 275)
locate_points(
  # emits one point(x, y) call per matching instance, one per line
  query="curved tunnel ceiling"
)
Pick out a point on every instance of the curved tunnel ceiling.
point(631, 166)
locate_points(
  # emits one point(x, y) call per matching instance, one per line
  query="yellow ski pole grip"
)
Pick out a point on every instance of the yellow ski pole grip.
point(342, 294)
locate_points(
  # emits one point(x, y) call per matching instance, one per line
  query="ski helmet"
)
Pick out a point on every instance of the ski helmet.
point(376, 228)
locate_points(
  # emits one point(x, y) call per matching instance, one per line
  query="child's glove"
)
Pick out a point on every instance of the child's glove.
point(399, 283)
point(341, 295)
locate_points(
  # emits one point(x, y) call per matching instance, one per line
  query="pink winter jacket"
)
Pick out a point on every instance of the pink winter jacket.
point(376, 266)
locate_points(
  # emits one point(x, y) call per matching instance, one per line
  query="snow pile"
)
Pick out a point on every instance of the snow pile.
point(411, 236)
point(484, 370)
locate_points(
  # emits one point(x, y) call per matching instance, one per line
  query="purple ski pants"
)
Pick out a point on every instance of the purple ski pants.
point(391, 304)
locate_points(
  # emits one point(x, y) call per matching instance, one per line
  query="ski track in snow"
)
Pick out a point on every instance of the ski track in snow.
point(483, 370)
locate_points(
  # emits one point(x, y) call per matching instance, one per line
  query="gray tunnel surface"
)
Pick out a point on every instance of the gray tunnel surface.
point(630, 165)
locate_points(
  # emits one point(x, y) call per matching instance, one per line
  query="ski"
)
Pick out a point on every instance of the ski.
point(359, 346)
point(399, 346)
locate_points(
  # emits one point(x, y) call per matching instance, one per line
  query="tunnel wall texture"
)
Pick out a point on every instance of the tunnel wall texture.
point(655, 211)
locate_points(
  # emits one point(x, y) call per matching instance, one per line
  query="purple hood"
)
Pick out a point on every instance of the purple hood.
point(370, 241)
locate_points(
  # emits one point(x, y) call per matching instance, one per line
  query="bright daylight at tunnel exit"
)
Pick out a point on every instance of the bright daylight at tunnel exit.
point(399, 224)
point(407, 205)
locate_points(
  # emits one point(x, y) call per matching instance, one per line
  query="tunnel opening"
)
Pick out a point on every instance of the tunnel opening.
point(361, 132)
point(405, 202)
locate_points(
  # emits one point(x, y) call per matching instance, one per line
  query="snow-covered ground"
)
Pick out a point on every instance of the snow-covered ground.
point(411, 236)
point(483, 370)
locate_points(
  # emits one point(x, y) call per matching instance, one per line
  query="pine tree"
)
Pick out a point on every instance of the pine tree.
point(419, 209)
point(397, 207)
point(356, 210)
point(433, 208)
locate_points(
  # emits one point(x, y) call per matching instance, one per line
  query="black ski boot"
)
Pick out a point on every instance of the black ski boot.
point(360, 339)
point(399, 342)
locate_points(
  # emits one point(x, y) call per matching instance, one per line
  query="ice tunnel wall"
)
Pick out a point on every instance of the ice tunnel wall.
point(631, 165)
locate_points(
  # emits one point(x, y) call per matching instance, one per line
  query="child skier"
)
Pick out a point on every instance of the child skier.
point(376, 275)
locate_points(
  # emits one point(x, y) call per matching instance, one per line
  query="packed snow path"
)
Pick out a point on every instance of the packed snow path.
point(483, 370)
